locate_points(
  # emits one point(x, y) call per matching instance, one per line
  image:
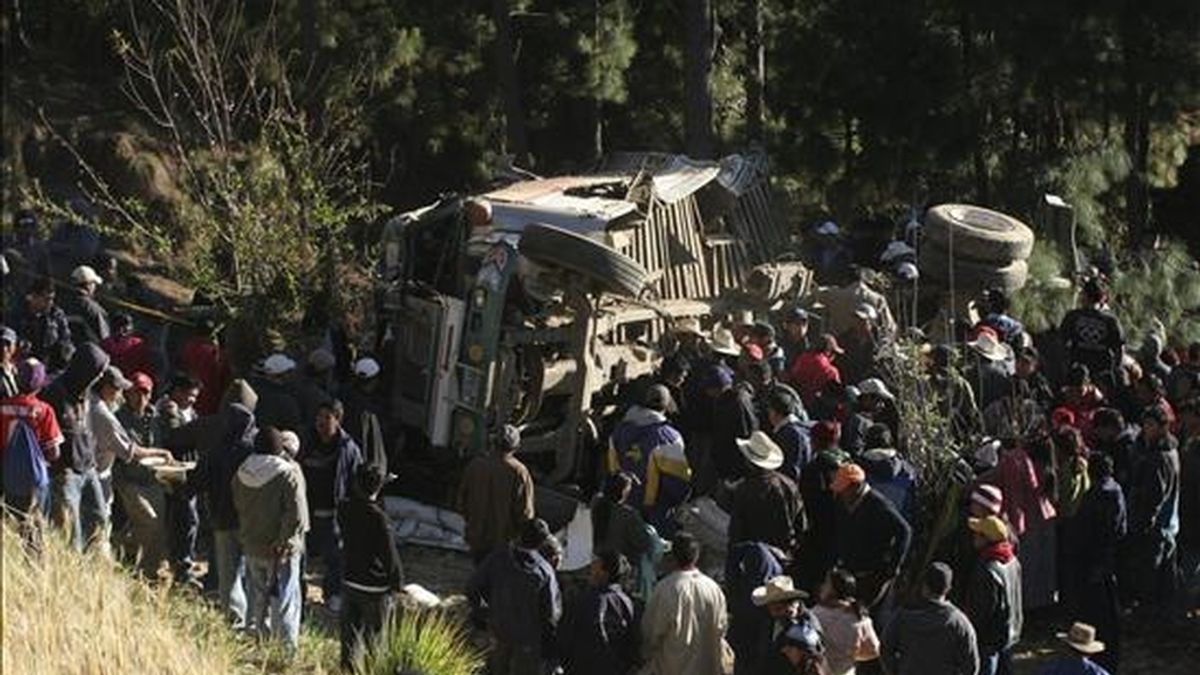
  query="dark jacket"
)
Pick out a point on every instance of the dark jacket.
point(370, 559)
point(68, 395)
point(993, 603)
point(748, 566)
point(48, 333)
point(892, 476)
point(1154, 492)
point(624, 530)
point(733, 418)
point(599, 633)
point(793, 438)
point(873, 537)
point(767, 508)
point(930, 638)
point(1122, 450)
point(1097, 528)
point(91, 317)
point(768, 656)
point(328, 471)
point(278, 407)
point(521, 594)
point(215, 469)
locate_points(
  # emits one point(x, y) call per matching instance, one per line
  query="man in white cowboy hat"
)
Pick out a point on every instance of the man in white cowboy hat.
point(1081, 644)
point(766, 507)
point(782, 602)
point(724, 342)
point(992, 368)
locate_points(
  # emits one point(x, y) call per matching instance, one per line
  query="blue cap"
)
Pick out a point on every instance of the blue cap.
point(798, 314)
point(718, 376)
point(8, 335)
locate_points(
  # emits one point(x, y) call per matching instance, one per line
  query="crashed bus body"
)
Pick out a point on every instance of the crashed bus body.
point(526, 304)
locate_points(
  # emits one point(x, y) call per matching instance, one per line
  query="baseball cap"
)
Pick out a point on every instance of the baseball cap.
point(798, 315)
point(278, 364)
point(115, 378)
point(85, 274)
point(31, 375)
point(142, 382)
point(847, 476)
point(991, 528)
point(366, 368)
point(8, 335)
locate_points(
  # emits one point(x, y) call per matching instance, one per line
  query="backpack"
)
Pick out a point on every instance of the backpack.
point(24, 469)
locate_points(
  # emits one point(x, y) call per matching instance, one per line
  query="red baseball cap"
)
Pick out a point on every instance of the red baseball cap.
point(142, 381)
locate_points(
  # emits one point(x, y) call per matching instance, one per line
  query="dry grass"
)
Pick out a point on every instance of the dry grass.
point(84, 615)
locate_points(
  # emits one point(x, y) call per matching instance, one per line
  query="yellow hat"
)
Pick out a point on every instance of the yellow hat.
point(992, 528)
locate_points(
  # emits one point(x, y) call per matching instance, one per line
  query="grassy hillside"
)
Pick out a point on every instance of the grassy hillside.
point(82, 614)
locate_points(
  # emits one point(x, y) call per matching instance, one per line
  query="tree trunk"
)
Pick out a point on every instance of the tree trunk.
point(1137, 145)
point(697, 87)
point(756, 69)
point(1134, 48)
point(597, 104)
point(510, 87)
point(974, 110)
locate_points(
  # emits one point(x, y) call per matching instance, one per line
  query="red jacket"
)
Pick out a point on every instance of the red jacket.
point(202, 358)
point(810, 372)
point(130, 353)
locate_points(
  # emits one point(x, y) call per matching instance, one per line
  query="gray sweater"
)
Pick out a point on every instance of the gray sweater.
point(931, 638)
point(268, 493)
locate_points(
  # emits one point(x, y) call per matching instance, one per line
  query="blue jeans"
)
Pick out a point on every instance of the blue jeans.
point(998, 663)
point(231, 576)
point(79, 506)
point(181, 534)
point(325, 540)
point(275, 597)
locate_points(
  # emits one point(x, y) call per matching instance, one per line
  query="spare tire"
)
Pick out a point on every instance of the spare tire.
point(603, 265)
point(979, 234)
point(971, 274)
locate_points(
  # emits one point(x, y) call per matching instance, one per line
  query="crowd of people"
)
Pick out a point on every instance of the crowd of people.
point(1076, 498)
point(1080, 492)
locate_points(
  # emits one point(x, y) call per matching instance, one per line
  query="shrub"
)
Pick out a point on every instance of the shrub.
point(421, 643)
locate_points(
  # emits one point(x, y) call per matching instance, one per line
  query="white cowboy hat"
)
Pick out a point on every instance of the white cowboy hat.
point(722, 342)
point(875, 386)
point(777, 589)
point(761, 451)
point(1082, 638)
point(990, 348)
point(689, 325)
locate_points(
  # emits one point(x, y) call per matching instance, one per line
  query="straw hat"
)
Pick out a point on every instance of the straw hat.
point(1081, 637)
point(761, 451)
point(990, 347)
point(723, 342)
point(777, 589)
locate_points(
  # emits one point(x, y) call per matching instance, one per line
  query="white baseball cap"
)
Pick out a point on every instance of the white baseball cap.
point(278, 364)
point(366, 368)
point(84, 274)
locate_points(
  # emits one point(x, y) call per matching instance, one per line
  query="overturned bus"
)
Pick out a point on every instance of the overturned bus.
point(523, 304)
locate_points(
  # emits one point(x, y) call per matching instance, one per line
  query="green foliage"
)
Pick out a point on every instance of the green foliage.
point(1047, 296)
point(1159, 291)
point(1087, 181)
point(421, 643)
